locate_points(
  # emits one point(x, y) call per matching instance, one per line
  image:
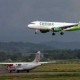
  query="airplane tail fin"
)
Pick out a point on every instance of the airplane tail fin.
point(37, 57)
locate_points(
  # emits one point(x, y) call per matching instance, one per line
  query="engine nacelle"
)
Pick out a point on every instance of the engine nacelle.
point(44, 31)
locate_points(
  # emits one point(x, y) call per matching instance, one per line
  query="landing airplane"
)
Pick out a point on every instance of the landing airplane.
point(44, 26)
point(24, 66)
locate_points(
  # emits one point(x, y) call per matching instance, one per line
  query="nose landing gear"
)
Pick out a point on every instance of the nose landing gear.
point(53, 33)
point(36, 31)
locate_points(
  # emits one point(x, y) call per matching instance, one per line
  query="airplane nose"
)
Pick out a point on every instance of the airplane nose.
point(29, 26)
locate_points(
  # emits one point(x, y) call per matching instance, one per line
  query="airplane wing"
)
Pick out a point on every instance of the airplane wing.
point(43, 62)
point(48, 62)
point(5, 63)
point(68, 26)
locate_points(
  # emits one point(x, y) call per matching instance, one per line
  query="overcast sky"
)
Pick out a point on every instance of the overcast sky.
point(15, 15)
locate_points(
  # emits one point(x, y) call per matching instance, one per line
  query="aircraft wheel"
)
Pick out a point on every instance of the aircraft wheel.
point(17, 71)
point(28, 71)
point(53, 33)
point(10, 71)
point(35, 32)
point(61, 33)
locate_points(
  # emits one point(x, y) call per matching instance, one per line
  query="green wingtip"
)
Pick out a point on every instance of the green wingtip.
point(79, 22)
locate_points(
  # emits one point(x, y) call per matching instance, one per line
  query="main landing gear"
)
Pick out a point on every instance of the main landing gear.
point(53, 33)
point(18, 71)
point(27, 71)
point(61, 33)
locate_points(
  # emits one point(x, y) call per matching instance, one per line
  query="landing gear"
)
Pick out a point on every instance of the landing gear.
point(61, 33)
point(36, 31)
point(10, 71)
point(27, 71)
point(53, 33)
point(17, 71)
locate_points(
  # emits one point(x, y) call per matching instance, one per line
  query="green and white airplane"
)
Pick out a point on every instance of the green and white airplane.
point(44, 26)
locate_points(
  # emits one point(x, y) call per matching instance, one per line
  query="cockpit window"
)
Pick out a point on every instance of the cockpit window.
point(32, 22)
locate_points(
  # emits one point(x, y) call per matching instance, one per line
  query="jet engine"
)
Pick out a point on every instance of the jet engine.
point(44, 31)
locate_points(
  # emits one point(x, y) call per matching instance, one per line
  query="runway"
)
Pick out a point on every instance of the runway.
point(6, 72)
point(34, 73)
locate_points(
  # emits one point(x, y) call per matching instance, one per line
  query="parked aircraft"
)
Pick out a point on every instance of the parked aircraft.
point(27, 66)
point(44, 27)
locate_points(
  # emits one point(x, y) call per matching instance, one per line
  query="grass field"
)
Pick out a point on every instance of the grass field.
point(58, 68)
point(65, 76)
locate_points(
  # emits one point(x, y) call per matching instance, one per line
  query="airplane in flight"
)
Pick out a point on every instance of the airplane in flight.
point(24, 66)
point(44, 26)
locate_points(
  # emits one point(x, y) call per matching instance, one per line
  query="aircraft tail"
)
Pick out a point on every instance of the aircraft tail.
point(37, 57)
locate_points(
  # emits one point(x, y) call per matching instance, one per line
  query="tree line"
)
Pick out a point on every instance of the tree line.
point(57, 54)
point(62, 54)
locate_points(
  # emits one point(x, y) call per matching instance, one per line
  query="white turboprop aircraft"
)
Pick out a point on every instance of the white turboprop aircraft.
point(25, 66)
point(45, 26)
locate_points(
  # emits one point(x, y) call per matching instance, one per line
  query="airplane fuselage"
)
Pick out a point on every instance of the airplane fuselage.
point(40, 25)
point(23, 66)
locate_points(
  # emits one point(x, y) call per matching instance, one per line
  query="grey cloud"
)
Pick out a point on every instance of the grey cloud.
point(15, 15)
